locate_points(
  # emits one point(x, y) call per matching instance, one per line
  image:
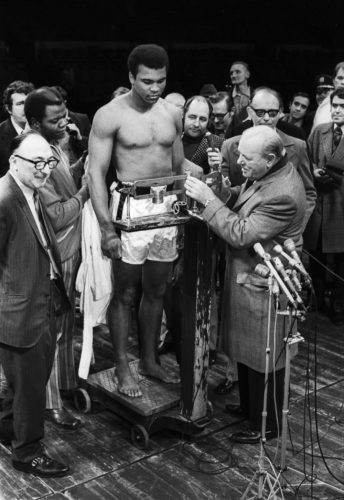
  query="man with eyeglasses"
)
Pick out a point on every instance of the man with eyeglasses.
point(64, 199)
point(266, 109)
point(324, 235)
point(30, 270)
point(221, 116)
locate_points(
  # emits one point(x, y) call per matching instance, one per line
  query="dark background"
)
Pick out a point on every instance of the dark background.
point(84, 44)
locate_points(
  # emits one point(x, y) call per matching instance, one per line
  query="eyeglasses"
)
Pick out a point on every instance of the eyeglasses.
point(219, 116)
point(40, 164)
point(262, 112)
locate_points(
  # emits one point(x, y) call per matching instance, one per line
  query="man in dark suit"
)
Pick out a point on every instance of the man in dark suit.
point(13, 100)
point(29, 270)
point(63, 200)
point(270, 206)
point(265, 109)
point(324, 235)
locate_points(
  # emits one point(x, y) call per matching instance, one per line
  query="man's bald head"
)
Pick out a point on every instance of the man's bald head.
point(265, 107)
point(260, 149)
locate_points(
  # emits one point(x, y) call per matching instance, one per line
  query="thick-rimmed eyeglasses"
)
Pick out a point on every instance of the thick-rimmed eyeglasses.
point(262, 112)
point(40, 164)
point(219, 116)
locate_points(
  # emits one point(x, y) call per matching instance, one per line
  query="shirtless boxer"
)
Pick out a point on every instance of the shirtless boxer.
point(145, 133)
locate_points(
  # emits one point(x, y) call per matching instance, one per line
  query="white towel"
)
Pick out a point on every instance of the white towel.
point(94, 282)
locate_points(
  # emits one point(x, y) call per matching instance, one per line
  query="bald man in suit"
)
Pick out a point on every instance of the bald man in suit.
point(268, 100)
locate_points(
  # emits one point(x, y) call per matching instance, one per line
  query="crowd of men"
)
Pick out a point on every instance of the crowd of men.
point(282, 179)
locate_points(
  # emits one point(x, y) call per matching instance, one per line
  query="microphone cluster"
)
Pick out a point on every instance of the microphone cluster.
point(284, 279)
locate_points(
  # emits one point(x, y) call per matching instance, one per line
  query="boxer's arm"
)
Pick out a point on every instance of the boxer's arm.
point(100, 150)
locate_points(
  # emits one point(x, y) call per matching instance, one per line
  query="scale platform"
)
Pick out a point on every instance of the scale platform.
point(156, 396)
point(151, 222)
point(158, 408)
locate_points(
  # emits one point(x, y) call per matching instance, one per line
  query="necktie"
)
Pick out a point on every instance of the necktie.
point(337, 135)
point(45, 232)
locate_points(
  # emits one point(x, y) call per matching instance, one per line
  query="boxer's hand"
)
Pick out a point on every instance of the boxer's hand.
point(198, 190)
point(214, 158)
point(111, 244)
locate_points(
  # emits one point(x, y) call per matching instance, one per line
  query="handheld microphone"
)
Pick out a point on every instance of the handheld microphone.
point(287, 280)
point(210, 140)
point(295, 280)
point(258, 248)
point(273, 285)
point(290, 246)
point(294, 264)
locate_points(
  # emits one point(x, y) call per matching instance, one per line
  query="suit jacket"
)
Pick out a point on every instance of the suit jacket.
point(7, 133)
point(200, 156)
point(297, 155)
point(328, 216)
point(237, 128)
point(24, 270)
point(64, 202)
point(273, 208)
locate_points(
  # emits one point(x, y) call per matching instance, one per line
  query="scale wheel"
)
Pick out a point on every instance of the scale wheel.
point(82, 401)
point(139, 436)
point(210, 410)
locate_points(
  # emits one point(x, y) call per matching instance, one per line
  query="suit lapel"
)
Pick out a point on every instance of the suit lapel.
point(327, 141)
point(246, 194)
point(25, 208)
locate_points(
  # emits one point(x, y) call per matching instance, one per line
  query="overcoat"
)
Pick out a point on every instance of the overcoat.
point(271, 209)
point(297, 154)
point(328, 216)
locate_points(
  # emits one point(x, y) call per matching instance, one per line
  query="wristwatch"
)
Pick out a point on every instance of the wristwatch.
point(206, 203)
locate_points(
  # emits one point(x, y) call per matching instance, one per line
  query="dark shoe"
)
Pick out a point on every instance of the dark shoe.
point(212, 357)
point(225, 386)
point(251, 437)
point(43, 466)
point(63, 418)
point(235, 410)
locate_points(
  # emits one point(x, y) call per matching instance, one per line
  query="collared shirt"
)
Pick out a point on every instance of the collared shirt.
point(240, 99)
point(17, 127)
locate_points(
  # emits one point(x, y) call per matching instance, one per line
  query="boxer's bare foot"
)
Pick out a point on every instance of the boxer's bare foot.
point(157, 371)
point(127, 385)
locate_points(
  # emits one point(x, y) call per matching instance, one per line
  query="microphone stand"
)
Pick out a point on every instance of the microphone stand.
point(265, 479)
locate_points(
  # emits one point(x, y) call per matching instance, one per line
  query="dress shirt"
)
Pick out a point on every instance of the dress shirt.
point(17, 127)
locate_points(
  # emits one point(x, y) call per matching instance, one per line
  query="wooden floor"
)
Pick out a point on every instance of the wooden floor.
point(106, 465)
